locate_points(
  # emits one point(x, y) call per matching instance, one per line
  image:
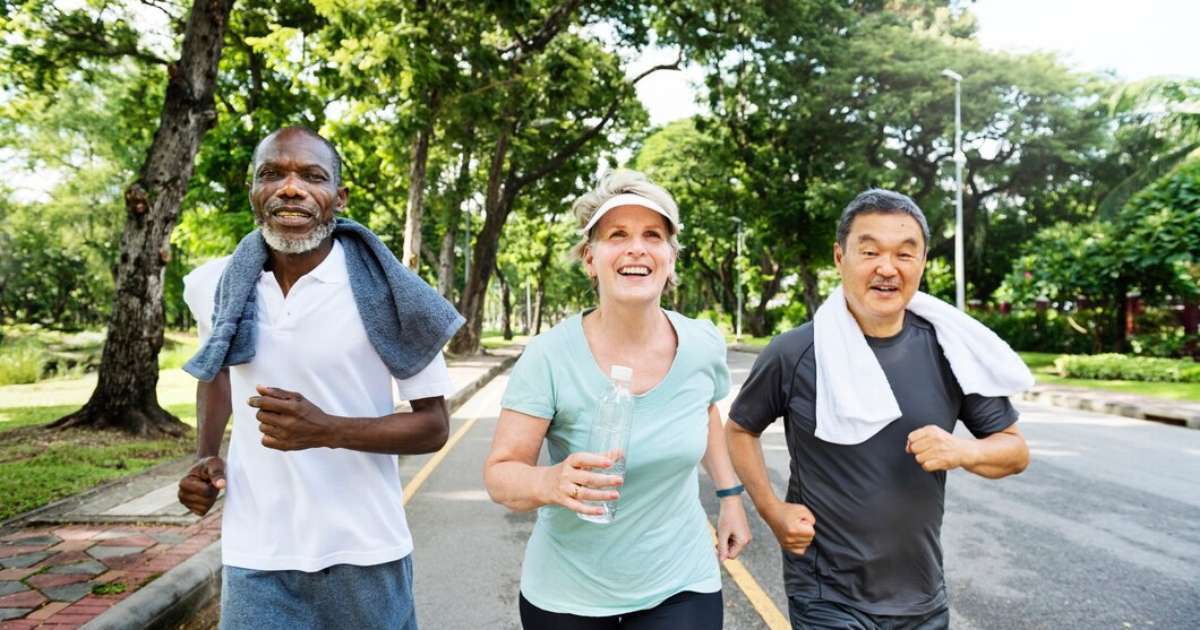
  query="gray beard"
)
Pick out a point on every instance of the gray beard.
point(285, 245)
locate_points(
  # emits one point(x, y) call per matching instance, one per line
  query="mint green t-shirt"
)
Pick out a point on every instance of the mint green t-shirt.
point(659, 544)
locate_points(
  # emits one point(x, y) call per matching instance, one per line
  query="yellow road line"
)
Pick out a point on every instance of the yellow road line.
point(758, 597)
point(410, 488)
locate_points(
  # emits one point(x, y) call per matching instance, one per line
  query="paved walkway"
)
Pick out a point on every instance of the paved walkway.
point(67, 565)
point(66, 575)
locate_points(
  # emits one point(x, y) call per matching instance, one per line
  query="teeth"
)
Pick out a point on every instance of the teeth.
point(634, 271)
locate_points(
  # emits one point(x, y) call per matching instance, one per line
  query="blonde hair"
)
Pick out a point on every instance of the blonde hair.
point(618, 182)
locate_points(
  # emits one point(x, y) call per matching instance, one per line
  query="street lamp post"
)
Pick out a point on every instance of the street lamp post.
point(960, 160)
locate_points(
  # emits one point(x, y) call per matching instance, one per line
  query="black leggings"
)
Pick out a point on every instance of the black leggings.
point(691, 610)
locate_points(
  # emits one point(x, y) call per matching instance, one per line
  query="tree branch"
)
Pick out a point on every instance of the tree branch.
point(559, 158)
point(550, 28)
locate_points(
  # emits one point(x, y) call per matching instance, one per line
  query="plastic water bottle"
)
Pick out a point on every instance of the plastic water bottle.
point(610, 434)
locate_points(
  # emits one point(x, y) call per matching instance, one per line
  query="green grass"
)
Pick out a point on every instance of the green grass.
point(491, 341)
point(112, 588)
point(749, 340)
point(38, 466)
point(1042, 366)
point(1037, 360)
point(1188, 392)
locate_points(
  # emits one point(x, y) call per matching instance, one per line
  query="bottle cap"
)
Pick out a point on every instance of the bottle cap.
point(621, 373)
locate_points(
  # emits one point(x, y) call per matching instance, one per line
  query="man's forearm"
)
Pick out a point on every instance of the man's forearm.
point(746, 452)
point(213, 408)
point(999, 455)
point(422, 430)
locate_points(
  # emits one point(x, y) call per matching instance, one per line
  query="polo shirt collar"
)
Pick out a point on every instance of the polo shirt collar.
point(332, 270)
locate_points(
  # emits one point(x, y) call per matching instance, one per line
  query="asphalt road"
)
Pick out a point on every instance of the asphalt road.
point(1102, 531)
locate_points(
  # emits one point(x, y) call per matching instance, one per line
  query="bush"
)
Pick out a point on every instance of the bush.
point(1127, 368)
point(1031, 331)
point(20, 363)
point(1167, 342)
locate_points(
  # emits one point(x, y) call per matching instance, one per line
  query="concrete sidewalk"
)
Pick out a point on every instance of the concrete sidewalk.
point(1177, 412)
point(127, 555)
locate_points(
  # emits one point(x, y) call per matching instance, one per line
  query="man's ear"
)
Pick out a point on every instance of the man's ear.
point(837, 255)
point(342, 194)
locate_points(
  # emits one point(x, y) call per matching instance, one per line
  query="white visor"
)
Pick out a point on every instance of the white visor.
point(629, 199)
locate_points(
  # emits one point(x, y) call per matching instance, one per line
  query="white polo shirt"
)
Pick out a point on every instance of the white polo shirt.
point(310, 509)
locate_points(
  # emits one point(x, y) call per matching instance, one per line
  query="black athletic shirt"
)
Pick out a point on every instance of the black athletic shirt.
point(879, 514)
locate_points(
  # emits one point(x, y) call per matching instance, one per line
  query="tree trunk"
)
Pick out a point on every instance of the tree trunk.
point(812, 289)
point(466, 342)
point(539, 303)
point(758, 322)
point(543, 266)
point(505, 305)
point(446, 257)
point(125, 394)
point(416, 195)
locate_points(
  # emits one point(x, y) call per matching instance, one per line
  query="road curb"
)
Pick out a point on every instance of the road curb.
point(1072, 400)
point(178, 593)
point(1083, 401)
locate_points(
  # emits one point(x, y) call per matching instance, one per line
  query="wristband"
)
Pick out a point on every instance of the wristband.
point(731, 492)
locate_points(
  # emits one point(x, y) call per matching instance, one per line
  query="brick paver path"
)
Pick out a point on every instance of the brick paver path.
point(61, 576)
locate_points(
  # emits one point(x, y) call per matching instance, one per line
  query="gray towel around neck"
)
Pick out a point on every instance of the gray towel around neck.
point(406, 320)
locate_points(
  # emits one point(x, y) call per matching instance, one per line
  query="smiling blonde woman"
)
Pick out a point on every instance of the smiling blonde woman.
point(654, 566)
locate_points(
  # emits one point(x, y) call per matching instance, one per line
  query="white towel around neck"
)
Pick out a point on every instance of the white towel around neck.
point(855, 400)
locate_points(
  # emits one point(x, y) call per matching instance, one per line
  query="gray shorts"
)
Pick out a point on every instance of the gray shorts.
point(341, 596)
point(820, 614)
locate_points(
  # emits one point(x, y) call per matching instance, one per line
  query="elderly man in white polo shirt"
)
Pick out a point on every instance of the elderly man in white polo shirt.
point(302, 344)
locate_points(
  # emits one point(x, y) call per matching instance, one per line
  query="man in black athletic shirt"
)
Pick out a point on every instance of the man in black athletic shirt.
point(861, 524)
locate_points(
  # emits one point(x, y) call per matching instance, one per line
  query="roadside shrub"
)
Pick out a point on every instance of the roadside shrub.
point(1128, 368)
point(1167, 342)
point(1030, 331)
point(20, 363)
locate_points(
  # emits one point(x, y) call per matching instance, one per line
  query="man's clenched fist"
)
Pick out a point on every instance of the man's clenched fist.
point(198, 490)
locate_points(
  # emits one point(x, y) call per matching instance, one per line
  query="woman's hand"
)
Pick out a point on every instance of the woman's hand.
point(733, 529)
point(570, 483)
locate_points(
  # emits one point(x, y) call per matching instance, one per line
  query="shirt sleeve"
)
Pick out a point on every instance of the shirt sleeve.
point(432, 381)
point(199, 293)
point(763, 397)
point(720, 365)
point(531, 385)
point(985, 415)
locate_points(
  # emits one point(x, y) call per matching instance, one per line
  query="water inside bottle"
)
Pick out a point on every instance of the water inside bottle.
point(609, 435)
